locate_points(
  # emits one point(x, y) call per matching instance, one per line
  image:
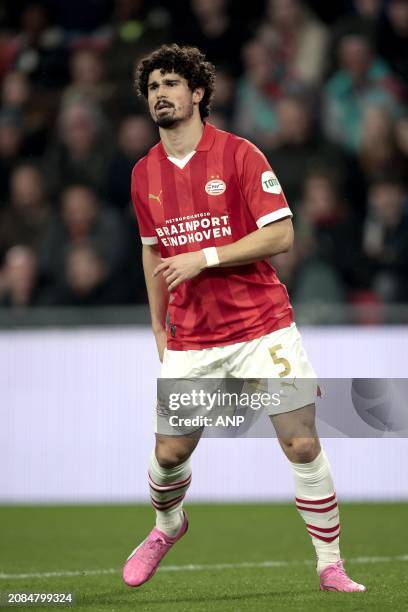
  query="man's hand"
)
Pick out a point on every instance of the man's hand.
point(161, 341)
point(180, 268)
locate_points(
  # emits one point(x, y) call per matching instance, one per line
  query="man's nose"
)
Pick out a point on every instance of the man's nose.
point(160, 91)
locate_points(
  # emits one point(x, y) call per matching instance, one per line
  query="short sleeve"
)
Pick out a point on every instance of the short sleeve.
point(144, 219)
point(260, 186)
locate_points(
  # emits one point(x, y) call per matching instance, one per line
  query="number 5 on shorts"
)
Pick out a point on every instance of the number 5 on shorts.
point(280, 360)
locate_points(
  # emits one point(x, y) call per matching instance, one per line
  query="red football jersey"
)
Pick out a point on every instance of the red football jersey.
point(225, 191)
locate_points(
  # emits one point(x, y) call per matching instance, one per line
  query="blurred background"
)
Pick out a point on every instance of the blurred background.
point(321, 87)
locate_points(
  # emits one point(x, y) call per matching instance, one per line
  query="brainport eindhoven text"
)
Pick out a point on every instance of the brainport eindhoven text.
point(194, 230)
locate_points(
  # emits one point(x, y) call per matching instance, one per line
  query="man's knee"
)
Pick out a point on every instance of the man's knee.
point(171, 454)
point(302, 450)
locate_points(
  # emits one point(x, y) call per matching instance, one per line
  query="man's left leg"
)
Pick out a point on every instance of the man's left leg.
point(315, 495)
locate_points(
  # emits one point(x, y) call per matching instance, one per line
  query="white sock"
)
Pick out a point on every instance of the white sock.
point(317, 504)
point(168, 487)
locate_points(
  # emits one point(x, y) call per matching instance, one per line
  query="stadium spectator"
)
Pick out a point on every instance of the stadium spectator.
point(34, 109)
point(259, 89)
point(223, 105)
point(401, 141)
point(87, 279)
point(378, 153)
point(213, 27)
point(135, 138)
point(88, 81)
point(12, 149)
point(301, 147)
point(83, 149)
point(20, 279)
point(26, 217)
point(393, 41)
point(82, 218)
point(301, 39)
point(362, 80)
point(318, 284)
point(365, 18)
point(386, 239)
point(39, 48)
point(135, 27)
point(324, 225)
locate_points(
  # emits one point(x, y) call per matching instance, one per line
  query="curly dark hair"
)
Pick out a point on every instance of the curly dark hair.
point(185, 61)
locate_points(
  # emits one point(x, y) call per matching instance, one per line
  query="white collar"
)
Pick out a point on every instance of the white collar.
point(181, 162)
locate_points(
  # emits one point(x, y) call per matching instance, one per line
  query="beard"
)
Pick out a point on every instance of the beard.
point(169, 120)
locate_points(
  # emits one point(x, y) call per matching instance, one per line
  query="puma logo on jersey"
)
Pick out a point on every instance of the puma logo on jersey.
point(152, 196)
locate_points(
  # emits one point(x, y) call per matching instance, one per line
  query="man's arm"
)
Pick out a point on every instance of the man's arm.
point(158, 295)
point(265, 242)
point(270, 240)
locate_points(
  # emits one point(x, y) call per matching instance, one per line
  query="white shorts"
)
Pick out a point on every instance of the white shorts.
point(278, 355)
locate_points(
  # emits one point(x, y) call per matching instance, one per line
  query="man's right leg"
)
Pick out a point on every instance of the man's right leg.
point(169, 469)
point(169, 479)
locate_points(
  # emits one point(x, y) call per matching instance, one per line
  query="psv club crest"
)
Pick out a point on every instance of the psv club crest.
point(215, 186)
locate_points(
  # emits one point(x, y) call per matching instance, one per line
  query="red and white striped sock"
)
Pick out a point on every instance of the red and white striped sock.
point(168, 487)
point(317, 504)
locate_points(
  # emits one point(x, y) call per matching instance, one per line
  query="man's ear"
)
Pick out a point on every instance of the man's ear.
point(198, 95)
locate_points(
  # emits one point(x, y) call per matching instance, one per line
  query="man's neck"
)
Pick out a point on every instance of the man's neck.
point(183, 139)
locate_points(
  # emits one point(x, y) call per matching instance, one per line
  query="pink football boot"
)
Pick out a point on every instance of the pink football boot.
point(334, 578)
point(143, 562)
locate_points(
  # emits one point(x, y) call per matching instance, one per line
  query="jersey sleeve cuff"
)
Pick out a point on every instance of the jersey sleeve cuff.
point(149, 240)
point(276, 215)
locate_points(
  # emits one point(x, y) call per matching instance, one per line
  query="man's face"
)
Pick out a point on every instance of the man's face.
point(387, 202)
point(355, 55)
point(170, 99)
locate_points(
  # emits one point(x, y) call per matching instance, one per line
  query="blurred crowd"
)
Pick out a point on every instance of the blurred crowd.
point(320, 87)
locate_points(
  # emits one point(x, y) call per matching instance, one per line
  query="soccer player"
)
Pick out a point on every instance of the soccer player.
point(211, 212)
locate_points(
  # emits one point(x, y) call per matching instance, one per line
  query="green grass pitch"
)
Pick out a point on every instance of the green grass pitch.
point(227, 549)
